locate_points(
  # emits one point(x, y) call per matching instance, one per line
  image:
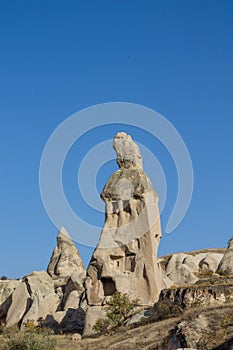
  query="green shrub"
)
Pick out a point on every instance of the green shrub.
point(118, 309)
point(102, 325)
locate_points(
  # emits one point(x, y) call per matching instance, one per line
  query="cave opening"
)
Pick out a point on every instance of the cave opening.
point(108, 286)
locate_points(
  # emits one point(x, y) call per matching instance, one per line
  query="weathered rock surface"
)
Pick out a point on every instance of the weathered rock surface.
point(65, 260)
point(184, 268)
point(7, 287)
point(125, 259)
point(21, 302)
point(128, 153)
point(71, 320)
point(44, 301)
point(226, 264)
point(51, 298)
point(199, 295)
point(92, 314)
point(73, 290)
point(33, 298)
point(210, 329)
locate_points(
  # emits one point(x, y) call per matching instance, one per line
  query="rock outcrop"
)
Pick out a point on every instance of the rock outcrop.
point(65, 260)
point(185, 268)
point(21, 303)
point(7, 287)
point(226, 264)
point(52, 298)
point(125, 259)
point(198, 295)
point(44, 301)
point(33, 299)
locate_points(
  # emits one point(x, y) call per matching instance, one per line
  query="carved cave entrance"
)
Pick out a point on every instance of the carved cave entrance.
point(108, 286)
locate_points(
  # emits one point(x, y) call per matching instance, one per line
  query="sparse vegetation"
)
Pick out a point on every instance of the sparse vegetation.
point(118, 309)
point(203, 272)
point(13, 339)
point(164, 309)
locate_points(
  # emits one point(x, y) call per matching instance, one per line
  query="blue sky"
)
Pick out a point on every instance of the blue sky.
point(58, 57)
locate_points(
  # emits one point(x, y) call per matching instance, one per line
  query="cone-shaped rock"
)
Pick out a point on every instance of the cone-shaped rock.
point(65, 260)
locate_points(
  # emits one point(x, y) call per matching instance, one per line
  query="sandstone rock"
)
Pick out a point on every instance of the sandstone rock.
point(226, 264)
point(183, 268)
point(74, 290)
point(92, 314)
point(72, 301)
point(180, 269)
point(128, 153)
point(125, 259)
point(33, 299)
point(7, 287)
point(21, 302)
point(210, 262)
point(44, 299)
point(65, 260)
point(199, 295)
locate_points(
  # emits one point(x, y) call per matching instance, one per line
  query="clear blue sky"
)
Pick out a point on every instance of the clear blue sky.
point(58, 57)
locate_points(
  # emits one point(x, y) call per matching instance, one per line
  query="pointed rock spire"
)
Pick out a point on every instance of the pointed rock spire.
point(65, 259)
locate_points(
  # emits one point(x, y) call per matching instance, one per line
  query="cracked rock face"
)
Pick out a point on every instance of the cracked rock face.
point(33, 299)
point(125, 259)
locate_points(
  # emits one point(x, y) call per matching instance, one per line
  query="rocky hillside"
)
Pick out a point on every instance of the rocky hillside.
point(199, 328)
point(185, 299)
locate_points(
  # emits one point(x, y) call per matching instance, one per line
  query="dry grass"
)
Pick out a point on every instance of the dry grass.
point(155, 335)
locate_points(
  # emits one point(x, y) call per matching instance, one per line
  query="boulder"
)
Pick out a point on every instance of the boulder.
point(74, 290)
point(21, 302)
point(44, 300)
point(180, 269)
point(210, 262)
point(92, 314)
point(226, 264)
point(7, 287)
point(32, 300)
point(184, 268)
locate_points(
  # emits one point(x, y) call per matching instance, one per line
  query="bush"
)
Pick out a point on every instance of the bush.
point(118, 309)
point(13, 340)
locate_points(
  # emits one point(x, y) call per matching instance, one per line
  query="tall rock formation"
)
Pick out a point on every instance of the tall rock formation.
point(67, 271)
point(65, 260)
point(125, 259)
